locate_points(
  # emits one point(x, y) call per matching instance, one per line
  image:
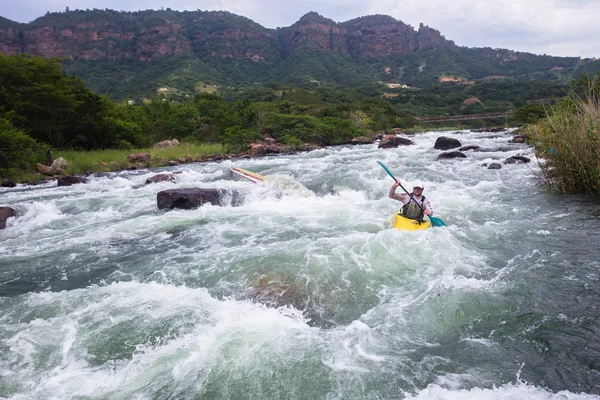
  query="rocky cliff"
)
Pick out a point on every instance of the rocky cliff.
point(149, 34)
point(184, 49)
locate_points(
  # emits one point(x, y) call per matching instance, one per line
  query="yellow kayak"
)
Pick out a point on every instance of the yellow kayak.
point(407, 224)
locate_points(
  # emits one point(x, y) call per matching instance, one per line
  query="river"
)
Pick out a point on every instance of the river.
point(298, 296)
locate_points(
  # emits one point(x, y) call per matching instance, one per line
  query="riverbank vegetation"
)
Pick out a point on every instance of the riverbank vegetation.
point(42, 107)
point(569, 140)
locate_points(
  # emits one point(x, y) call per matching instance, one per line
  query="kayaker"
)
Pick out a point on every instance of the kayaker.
point(410, 209)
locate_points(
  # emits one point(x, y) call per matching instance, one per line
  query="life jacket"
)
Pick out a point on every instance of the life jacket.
point(412, 210)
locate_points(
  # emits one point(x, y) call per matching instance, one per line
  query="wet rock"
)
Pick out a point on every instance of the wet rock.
point(517, 160)
point(518, 139)
point(393, 141)
point(8, 183)
point(451, 154)
point(446, 143)
point(309, 147)
point(214, 157)
point(160, 178)
point(188, 198)
point(495, 165)
point(5, 213)
point(70, 180)
point(471, 147)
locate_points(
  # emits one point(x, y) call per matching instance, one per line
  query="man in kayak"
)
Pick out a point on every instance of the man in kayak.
point(410, 209)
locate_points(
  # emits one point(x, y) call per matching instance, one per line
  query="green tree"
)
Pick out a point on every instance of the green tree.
point(17, 150)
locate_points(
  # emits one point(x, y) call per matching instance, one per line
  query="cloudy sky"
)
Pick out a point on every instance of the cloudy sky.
point(553, 27)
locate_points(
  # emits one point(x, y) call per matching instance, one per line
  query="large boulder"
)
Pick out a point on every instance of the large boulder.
point(70, 180)
point(393, 141)
point(5, 213)
point(451, 154)
point(188, 198)
point(446, 143)
point(7, 183)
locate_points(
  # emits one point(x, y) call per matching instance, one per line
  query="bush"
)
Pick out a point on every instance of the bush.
point(18, 152)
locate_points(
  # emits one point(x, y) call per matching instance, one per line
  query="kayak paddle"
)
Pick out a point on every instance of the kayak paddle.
point(434, 221)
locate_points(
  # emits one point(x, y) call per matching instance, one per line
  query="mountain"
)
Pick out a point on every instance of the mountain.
point(134, 53)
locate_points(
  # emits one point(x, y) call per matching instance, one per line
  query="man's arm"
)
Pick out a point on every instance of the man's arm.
point(393, 195)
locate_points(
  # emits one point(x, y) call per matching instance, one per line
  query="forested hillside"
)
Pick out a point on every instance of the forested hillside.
point(135, 54)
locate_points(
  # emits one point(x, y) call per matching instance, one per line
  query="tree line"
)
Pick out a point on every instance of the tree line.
point(42, 107)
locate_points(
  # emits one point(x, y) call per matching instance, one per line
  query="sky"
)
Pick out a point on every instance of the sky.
point(554, 27)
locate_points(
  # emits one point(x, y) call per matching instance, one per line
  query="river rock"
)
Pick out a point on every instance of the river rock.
point(361, 140)
point(471, 147)
point(393, 141)
point(139, 157)
point(8, 183)
point(446, 143)
point(495, 165)
point(160, 178)
point(188, 198)
point(59, 164)
point(5, 213)
point(517, 160)
point(44, 169)
point(309, 147)
point(518, 139)
point(451, 154)
point(70, 180)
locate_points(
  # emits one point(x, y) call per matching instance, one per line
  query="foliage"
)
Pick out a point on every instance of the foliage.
point(569, 141)
point(18, 152)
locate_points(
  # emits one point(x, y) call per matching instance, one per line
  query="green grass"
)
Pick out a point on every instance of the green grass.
point(112, 160)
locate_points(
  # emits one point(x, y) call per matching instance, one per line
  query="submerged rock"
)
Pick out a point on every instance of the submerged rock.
point(188, 198)
point(160, 178)
point(70, 180)
point(5, 213)
point(451, 154)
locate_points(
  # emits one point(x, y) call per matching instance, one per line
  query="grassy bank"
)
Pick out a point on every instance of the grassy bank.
point(113, 160)
point(568, 141)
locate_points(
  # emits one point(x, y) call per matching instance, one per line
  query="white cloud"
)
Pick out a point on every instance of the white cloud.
point(556, 27)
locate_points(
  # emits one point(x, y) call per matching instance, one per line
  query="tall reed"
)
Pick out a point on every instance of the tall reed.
point(568, 144)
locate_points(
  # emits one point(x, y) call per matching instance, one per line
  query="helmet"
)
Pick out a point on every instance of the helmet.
point(419, 185)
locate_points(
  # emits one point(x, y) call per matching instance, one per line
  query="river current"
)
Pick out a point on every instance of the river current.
point(306, 292)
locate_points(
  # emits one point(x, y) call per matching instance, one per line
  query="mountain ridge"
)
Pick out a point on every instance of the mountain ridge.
point(229, 49)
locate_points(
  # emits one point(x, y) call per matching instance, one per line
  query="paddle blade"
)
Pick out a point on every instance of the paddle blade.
point(436, 221)
point(386, 169)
